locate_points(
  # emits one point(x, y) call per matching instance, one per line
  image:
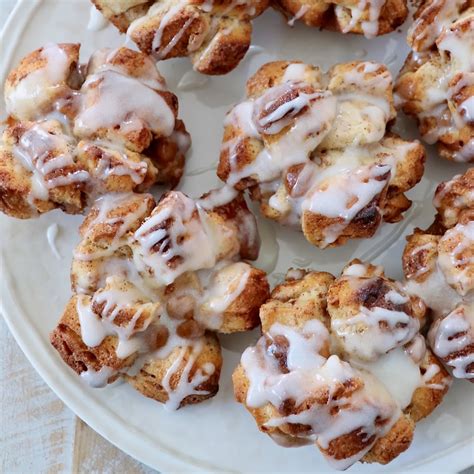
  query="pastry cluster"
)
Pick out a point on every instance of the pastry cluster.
point(152, 284)
point(341, 365)
point(436, 84)
point(314, 149)
point(368, 17)
point(439, 267)
point(215, 34)
point(75, 132)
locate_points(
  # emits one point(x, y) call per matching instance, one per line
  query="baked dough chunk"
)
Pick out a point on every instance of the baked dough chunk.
point(439, 267)
point(341, 365)
point(215, 34)
point(314, 150)
point(75, 132)
point(436, 84)
point(153, 284)
point(368, 17)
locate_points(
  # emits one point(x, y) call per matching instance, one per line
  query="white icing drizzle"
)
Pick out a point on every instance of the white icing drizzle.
point(442, 25)
point(398, 372)
point(192, 80)
point(104, 206)
point(466, 153)
point(416, 349)
point(307, 130)
point(435, 292)
point(309, 373)
point(451, 337)
point(422, 34)
point(339, 183)
point(161, 49)
point(342, 192)
point(99, 378)
point(299, 14)
point(174, 240)
point(97, 21)
point(370, 27)
point(95, 329)
point(140, 297)
point(295, 72)
point(458, 265)
point(51, 235)
point(226, 284)
point(30, 95)
point(115, 105)
point(45, 154)
point(186, 385)
point(364, 338)
point(123, 102)
point(114, 161)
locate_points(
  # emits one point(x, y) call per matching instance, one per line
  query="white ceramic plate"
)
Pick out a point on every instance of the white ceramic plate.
point(218, 435)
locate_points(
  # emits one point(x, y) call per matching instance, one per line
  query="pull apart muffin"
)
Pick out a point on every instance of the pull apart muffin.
point(75, 132)
point(314, 149)
point(153, 284)
point(214, 34)
point(436, 83)
point(341, 365)
point(370, 18)
point(439, 267)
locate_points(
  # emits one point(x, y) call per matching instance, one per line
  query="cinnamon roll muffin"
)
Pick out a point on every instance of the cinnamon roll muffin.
point(314, 151)
point(215, 34)
point(76, 131)
point(153, 284)
point(439, 267)
point(436, 84)
point(341, 365)
point(369, 18)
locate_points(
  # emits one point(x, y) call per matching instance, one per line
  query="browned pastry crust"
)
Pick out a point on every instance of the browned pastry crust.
point(153, 283)
point(214, 34)
point(297, 320)
point(285, 145)
point(373, 18)
point(435, 85)
point(74, 133)
point(439, 267)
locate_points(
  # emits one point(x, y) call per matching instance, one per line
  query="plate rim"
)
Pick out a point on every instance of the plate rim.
point(454, 458)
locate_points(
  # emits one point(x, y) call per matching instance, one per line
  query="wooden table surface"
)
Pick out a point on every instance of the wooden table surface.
point(38, 433)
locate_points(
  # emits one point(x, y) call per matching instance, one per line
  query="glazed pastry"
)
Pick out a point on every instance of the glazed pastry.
point(314, 150)
point(436, 84)
point(153, 284)
point(370, 18)
point(214, 34)
point(75, 132)
point(341, 365)
point(439, 267)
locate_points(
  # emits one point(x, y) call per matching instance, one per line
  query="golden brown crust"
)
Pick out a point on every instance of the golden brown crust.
point(66, 339)
point(242, 314)
point(308, 296)
point(149, 380)
point(346, 16)
point(435, 83)
point(127, 322)
point(430, 394)
point(66, 140)
point(295, 187)
point(438, 264)
point(395, 442)
point(16, 197)
point(215, 37)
